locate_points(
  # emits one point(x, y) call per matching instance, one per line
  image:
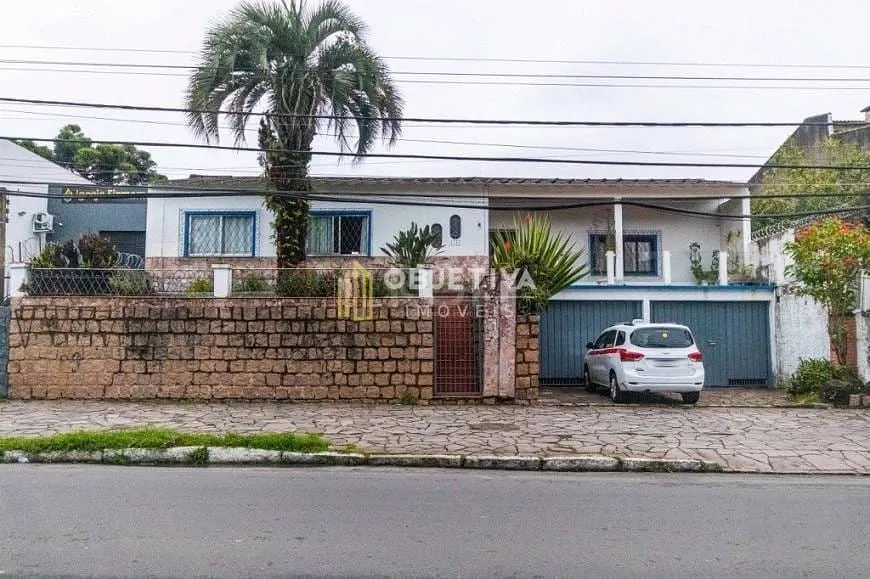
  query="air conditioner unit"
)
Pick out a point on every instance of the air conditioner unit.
point(43, 223)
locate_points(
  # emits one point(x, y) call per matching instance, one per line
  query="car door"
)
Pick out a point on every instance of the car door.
point(598, 367)
point(608, 356)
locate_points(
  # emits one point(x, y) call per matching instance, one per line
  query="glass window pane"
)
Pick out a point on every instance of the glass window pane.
point(320, 234)
point(237, 235)
point(455, 226)
point(354, 231)
point(204, 235)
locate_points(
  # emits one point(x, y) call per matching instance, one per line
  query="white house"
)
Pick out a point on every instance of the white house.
point(648, 224)
point(26, 172)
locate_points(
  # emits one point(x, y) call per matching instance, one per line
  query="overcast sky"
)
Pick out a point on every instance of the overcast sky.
point(746, 32)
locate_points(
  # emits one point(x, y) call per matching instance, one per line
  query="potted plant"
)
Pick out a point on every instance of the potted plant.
point(412, 249)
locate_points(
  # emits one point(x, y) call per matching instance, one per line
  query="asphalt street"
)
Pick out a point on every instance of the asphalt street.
point(135, 521)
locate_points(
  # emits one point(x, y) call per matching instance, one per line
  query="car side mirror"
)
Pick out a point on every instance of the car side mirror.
point(589, 345)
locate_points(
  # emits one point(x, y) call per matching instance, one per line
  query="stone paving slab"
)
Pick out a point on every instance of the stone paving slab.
point(730, 397)
point(743, 439)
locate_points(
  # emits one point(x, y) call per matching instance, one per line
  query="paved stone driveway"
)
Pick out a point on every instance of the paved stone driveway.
point(785, 440)
point(711, 397)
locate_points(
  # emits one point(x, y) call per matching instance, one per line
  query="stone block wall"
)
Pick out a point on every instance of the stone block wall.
point(527, 357)
point(145, 348)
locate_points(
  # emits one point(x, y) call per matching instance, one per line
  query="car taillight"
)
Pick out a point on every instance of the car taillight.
point(629, 356)
point(696, 357)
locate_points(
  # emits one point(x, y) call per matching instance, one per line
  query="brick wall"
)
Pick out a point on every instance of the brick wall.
point(294, 349)
point(527, 358)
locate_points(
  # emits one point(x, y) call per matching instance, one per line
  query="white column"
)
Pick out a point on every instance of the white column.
point(424, 282)
point(617, 227)
point(610, 256)
point(17, 278)
point(666, 267)
point(223, 280)
point(647, 310)
point(723, 268)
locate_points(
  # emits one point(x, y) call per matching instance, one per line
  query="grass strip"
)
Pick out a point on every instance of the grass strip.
point(91, 440)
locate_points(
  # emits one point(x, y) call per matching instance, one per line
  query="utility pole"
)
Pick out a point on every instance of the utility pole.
point(4, 217)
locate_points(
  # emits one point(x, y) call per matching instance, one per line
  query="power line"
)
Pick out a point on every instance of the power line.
point(355, 197)
point(482, 159)
point(410, 140)
point(502, 82)
point(138, 65)
point(476, 59)
point(695, 124)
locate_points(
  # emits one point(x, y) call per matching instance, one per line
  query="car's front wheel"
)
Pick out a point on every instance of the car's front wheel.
point(587, 380)
point(617, 395)
point(691, 397)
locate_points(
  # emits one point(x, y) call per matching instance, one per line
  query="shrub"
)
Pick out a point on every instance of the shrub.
point(203, 285)
point(821, 377)
point(250, 283)
point(97, 252)
point(306, 283)
point(838, 391)
point(51, 256)
point(413, 247)
point(134, 282)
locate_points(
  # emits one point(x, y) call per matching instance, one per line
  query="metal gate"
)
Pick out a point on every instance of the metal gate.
point(458, 347)
point(734, 338)
point(566, 326)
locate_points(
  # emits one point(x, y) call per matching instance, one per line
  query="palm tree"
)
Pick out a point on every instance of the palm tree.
point(303, 69)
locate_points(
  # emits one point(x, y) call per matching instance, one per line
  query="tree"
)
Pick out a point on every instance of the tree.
point(101, 164)
point(298, 64)
point(846, 187)
point(828, 258)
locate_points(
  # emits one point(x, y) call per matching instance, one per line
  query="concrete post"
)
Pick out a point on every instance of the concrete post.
point(425, 282)
point(611, 267)
point(723, 268)
point(17, 278)
point(223, 280)
point(666, 267)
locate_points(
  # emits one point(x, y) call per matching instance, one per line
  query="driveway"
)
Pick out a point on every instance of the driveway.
point(784, 440)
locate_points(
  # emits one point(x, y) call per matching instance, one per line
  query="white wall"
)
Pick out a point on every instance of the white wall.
point(17, 163)
point(165, 222)
point(801, 331)
point(676, 232)
point(862, 323)
point(770, 254)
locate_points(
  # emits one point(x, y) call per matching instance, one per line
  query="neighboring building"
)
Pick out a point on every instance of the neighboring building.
point(652, 276)
point(30, 222)
point(92, 209)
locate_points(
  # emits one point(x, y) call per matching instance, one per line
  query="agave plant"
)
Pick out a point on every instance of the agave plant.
point(545, 263)
point(412, 248)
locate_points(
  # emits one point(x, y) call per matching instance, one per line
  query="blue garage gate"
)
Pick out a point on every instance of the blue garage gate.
point(734, 338)
point(567, 325)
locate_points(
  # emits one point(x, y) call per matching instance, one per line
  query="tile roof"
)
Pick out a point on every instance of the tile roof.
point(254, 183)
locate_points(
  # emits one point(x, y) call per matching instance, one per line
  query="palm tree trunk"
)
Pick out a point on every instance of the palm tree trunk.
point(287, 169)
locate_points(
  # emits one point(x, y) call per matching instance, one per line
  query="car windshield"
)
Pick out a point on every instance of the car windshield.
point(653, 337)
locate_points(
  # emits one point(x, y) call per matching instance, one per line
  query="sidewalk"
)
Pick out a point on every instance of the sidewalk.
point(781, 440)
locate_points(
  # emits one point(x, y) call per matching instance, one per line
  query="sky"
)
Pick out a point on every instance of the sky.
point(773, 32)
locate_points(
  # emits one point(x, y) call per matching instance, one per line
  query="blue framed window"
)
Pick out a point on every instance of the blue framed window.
point(339, 233)
point(640, 254)
point(220, 233)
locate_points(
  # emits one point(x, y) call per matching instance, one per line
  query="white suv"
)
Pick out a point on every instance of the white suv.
point(645, 357)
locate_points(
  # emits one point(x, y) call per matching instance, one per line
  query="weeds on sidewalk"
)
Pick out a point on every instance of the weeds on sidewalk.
point(91, 441)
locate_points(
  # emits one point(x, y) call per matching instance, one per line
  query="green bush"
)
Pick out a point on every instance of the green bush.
point(97, 252)
point(821, 377)
point(250, 283)
point(306, 284)
point(203, 285)
point(132, 282)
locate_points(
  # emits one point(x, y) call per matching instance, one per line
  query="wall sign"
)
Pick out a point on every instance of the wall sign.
point(98, 194)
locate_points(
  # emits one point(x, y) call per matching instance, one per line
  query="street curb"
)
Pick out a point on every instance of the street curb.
point(228, 456)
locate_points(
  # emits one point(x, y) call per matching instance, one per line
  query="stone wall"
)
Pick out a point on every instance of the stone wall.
point(527, 358)
point(141, 348)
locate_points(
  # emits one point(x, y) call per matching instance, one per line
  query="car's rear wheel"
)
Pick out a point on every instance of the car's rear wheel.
point(587, 380)
point(617, 395)
point(691, 397)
